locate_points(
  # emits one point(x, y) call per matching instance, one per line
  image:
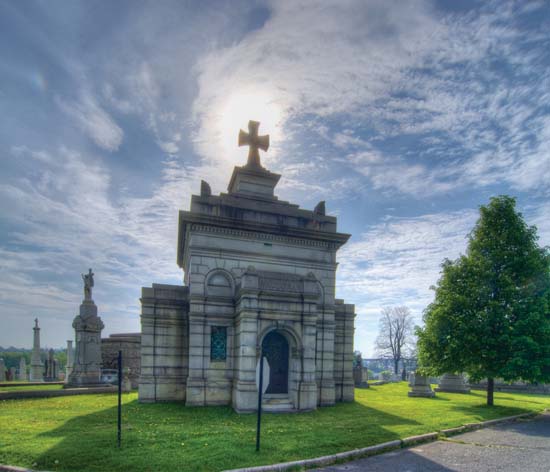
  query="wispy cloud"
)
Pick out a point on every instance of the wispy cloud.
point(93, 120)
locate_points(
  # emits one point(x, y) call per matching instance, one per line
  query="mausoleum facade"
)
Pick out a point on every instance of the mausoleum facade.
point(259, 277)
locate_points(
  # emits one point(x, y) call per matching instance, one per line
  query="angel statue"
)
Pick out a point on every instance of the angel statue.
point(88, 284)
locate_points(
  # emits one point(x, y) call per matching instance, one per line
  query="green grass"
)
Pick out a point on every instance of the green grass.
point(26, 388)
point(79, 432)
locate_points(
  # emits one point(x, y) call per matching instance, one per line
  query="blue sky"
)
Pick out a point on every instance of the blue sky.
point(403, 116)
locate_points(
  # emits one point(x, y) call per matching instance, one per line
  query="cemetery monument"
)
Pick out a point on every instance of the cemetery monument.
point(259, 278)
point(2, 370)
point(50, 367)
point(87, 325)
point(37, 368)
point(452, 383)
point(420, 386)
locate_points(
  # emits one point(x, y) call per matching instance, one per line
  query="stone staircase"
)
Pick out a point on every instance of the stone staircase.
point(277, 403)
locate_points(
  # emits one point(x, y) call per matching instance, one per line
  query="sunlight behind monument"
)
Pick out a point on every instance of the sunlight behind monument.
point(238, 109)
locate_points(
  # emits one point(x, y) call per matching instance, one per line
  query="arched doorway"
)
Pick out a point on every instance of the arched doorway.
point(275, 349)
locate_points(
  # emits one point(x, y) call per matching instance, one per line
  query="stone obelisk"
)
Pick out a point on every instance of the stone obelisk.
point(2, 370)
point(87, 325)
point(37, 368)
point(70, 360)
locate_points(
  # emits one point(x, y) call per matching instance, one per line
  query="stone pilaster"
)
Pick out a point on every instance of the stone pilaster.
point(343, 352)
point(164, 343)
point(70, 360)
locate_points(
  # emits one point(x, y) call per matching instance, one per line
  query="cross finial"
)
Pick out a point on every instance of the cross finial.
point(254, 142)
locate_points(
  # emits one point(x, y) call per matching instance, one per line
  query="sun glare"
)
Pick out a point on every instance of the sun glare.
point(241, 107)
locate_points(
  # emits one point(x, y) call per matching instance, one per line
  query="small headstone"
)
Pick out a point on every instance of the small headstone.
point(23, 370)
point(2, 370)
point(453, 383)
point(365, 377)
point(126, 382)
point(12, 374)
point(421, 387)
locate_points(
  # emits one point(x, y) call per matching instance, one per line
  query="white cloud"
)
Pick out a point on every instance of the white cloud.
point(395, 69)
point(64, 220)
point(94, 121)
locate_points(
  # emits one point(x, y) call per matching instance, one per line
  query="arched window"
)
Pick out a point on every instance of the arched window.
point(219, 284)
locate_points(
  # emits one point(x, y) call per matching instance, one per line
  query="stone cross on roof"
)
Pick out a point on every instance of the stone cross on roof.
point(254, 142)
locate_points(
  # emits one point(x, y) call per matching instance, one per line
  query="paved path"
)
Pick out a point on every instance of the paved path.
point(520, 446)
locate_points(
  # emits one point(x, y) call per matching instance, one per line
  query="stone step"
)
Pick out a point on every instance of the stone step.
point(277, 404)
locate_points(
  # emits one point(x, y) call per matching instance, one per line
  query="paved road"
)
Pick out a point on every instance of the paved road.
point(521, 446)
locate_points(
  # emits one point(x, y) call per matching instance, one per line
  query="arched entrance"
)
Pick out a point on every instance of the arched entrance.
point(275, 349)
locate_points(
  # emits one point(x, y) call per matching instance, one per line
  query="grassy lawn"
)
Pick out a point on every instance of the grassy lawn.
point(79, 433)
point(26, 388)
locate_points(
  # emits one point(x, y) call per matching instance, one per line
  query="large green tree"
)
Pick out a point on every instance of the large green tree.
point(491, 313)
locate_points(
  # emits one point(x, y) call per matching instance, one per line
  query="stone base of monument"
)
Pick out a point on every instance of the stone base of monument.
point(420, 387)
point(452, 383)
point(87, 362)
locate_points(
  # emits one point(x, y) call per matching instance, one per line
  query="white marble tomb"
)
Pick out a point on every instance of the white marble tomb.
point(259, 277)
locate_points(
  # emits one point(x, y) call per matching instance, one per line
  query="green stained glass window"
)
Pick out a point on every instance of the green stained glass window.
point(218, 343)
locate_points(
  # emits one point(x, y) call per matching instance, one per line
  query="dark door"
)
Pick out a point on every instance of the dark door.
point(275, 348)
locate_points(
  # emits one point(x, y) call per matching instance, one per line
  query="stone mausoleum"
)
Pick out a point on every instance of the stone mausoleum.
point(259, 277)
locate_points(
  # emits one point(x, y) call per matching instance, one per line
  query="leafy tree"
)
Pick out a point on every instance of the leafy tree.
point(491, 313)
point(395, 337)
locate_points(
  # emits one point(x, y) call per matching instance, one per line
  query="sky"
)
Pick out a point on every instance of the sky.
point(405, 116)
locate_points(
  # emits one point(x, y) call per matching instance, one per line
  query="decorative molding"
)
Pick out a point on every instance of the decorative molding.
point(263, 236)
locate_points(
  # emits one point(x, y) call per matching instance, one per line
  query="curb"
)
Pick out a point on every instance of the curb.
point(378, 448)
point(23, 395)
point(473, 426)
point(324, 460)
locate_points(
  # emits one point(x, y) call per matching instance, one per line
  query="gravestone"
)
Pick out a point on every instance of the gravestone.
point(452, 383)
point(126, 382)
point(12, 373)
point(37, 369)
point(357, 369)
point(2, 370)
point(50, 368)
point(87, 325)
point(23, 370)
point(395, 378)
point(421, 387)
